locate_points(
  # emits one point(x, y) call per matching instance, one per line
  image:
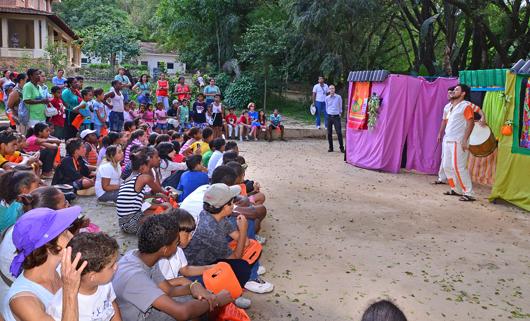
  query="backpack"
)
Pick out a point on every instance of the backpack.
point(23, 113)
point(173, 180)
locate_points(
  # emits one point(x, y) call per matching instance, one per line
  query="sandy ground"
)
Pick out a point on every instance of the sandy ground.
point(340, 237)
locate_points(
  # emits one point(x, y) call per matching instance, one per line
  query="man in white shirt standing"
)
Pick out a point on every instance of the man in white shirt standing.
point(459, 125)
point(334, 111)
point(442, 178)
point(320, 92)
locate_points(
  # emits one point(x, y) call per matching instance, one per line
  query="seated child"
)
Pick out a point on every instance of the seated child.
point(138, 138)
point(244, 126)
point(73, 169)
point(128, 128)
point(108, 175)
point(203, 145)
point(195, 176)
point(218, 146)
point(195, 135)
point(166, 151)
point(90, 141)
point(39, 140)
point(113, 138)
point(254, 120)
point(11, 207)
point(231, 124)
point(142, 291)
point(128, 111)
point(10, 157)
point(96, 298)
point(276, 123)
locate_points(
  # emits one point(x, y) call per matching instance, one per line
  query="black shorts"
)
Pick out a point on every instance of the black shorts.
point(217, 120)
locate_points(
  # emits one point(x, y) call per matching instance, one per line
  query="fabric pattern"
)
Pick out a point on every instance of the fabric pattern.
point(494, 110)
point(358, 116)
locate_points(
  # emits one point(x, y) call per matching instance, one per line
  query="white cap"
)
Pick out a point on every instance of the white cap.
point(86, 132)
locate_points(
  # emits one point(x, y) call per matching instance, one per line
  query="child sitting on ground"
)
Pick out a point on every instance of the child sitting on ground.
point(203, 145)
point(166, 152)
point(128, 128)
point(138, 138)
point(195, 176)
point(96, 297)
point(195, 135)
point(128, 111)
point(91, 142)
point(108, 175)
point(39, 140)
point(113, 138)
point(73, 169)
point(149, 116)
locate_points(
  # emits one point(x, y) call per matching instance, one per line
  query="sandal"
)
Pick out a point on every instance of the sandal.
point(452, 193)
point(467, 198)
point(437, 182)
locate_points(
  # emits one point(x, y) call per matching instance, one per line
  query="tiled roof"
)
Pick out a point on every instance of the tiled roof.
point(53, 17)
point(153, 48)
point(368, 75)
point(521, 67)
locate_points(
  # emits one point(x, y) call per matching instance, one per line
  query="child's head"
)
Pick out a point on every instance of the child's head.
point(162, 138)
point(152, 139)
point(175, 104)
point(229, 156)
point(129, 126)
point(114, 154)
point(140, 135)
point(21, 141)
point(231, 110)
point(154, 157)
point(176, 146)
point(160, 105)
point(186, 224)
point(56, 91)
point(232, 146)
point(177, 137)
point(142, 108)
point(100, 251)
point(40, 130)
point(166, 150)
point(46, 196)
point(195, 133)
point(219, 199)
point(75, 147)
point(383, 311)
point(261, 114)
point(200, 97)
point(251, 106)
point(99, 94)
point(19, 182)
point(112, 138)
point(89, 136)
point(244, 113)
point(218, 144)
point(140, 160)
point(159, 234)
point(116, 84)
point(217, 98)
point(149, 107)
point(207, 134)
point(240, 172)
point(87, 94)
point(185, 102)
point(8, 142)
point(194, 163)
point(275, 112)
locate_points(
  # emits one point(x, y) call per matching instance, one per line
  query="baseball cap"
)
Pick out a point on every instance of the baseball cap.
point(38, 227)
point(219, 194)
point(86, 132)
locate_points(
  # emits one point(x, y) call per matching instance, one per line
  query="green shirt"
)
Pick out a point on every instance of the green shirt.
point(9, 214)
point(70, 99)
point(32, 92)
point(206, 158)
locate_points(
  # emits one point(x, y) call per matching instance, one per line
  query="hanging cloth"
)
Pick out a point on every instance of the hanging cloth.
point(494, 110)
point(358, 116)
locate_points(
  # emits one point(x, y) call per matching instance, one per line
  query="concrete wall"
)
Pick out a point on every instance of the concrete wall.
point(153, 59)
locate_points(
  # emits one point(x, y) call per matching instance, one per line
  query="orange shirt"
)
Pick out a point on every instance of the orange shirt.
point(163, 86)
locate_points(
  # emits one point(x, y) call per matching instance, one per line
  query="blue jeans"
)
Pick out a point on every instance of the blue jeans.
point(116, 121)
point(143, 99)
point(164, 100)
point(321, 109)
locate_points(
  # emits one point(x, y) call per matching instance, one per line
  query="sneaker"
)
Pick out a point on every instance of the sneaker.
point(255, 139)
point(259, 286)
point(261, 239)
point(262, 270)
point(243, 303)
point(248, 138)
point(318, 127)
point(224, 137)
point(240, 138)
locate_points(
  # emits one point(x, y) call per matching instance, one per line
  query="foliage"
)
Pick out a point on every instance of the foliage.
point(56, 53)
point(241, 92)
point(222, 81)
point(99, 66)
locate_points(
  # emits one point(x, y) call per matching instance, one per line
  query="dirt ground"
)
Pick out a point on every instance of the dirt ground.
point(340, 237)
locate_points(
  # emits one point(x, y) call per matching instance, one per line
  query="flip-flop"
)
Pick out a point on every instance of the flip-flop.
point(452, 193)
point(438, 183)
point(467, 198)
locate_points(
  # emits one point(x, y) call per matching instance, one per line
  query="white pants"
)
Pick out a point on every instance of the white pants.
point(231, 128)
point(441, 172)
point(455, 167)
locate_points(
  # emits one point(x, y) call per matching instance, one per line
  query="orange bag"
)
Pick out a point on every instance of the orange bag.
point(78, 120)
point(251, 253)
point(221, 277)
point(57, 159)
point(231, 312)
point(104, 131)
point(11, 119)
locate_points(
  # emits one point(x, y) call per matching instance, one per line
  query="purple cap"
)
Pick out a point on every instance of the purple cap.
point(38, 227)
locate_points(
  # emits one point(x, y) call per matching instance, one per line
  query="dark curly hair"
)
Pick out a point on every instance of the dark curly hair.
point(97, 249)
point(156, 232)
point(16, 180)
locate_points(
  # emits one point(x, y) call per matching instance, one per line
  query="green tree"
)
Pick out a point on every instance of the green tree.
point(56, 54)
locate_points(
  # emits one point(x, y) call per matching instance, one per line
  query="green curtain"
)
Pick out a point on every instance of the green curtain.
point(494, 109)
point(512, 180)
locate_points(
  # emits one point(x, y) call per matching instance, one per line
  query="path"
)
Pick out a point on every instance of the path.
point(340, 237)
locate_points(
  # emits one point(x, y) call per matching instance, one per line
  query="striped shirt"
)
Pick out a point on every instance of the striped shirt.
point(129, 201)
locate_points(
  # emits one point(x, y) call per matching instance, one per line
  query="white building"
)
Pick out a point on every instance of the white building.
point(153, 57)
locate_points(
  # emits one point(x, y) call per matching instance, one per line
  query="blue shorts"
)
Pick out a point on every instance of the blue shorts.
point(161, 126)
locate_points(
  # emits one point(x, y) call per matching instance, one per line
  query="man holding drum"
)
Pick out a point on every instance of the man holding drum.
point(459, 125)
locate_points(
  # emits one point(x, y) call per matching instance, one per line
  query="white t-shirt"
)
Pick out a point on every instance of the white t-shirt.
point(171, 267)
point(212, 164)
point(321, 92)
point(7, 253)
point(447, 108)
point(457, 121)
point(117, 101)
point(95, 307)
point(107, 170)
point(194, 203)
point(167, 167)
point(217, 108)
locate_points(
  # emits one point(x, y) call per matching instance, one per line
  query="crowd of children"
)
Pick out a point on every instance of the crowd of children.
point(179, 185)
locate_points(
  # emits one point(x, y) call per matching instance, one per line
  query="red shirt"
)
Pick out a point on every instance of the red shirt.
point(231, 119)
point(58, 120)
point(178, 158)
point(183, 92)
point(244, 120)
point(163, 86)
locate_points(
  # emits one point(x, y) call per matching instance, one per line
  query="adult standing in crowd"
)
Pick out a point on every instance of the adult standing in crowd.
point(143, 90)
point(182, 90)
point(70, 100)
point(320, 92)
point(210, 91)
point(14, 99)
point(117, 99)
point(59, 80)
point(125, 83)
point(162, 91)
point(33, 98)
point(333, 105)
point(44, 90)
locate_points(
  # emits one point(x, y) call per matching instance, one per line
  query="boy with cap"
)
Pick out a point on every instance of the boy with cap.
point(90, 141)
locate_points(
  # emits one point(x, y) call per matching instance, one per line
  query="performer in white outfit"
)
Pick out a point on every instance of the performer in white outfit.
point(460, 123)
point(442, 178)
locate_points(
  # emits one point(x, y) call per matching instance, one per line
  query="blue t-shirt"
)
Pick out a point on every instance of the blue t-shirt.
point(190, 181)
point(9, 214)
point(58, 81)
point(86, 113)
point(98, 107)
point(275, 120)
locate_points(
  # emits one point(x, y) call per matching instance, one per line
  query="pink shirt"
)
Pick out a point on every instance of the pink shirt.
point(32, 144)
point(149, 117)
point(161, 113)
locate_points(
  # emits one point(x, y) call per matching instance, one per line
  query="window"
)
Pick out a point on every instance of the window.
point(84, 60)
point(161, 64)
point(144, 63)
point(170, 65)
point(20, 34)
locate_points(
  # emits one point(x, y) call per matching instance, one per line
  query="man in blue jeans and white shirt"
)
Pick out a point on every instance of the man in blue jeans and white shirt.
point(320, 91)
point(334, 111)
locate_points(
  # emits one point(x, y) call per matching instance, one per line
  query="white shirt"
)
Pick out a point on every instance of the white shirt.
point(7, 253)
point(212, 164)
point(321, 92)
point(95, 307)
point(167, 167)
point(194, 203)
point(447, 108)
point(217, 108)
point(107, 170)
point(171, 267)
point(457, 121)
point(117, 101)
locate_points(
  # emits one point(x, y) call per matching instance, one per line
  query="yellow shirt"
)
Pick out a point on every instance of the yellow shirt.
point(3, 160)
point(202, 145)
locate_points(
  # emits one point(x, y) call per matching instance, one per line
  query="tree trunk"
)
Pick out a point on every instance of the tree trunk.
point(218, 48)
point(266, 75)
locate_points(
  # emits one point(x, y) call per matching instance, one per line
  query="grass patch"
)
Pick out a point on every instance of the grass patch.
point(95, 84)
point(291, 108)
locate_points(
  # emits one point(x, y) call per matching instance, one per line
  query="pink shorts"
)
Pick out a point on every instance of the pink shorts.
point(252, 199)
